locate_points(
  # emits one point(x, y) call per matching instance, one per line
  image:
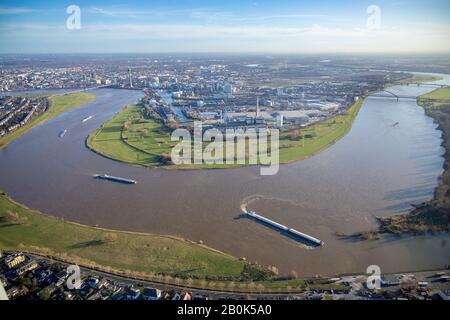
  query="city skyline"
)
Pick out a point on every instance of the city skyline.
point(248, 27)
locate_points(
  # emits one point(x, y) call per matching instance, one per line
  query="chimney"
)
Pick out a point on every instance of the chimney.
point(131, 81)
point(257, 107)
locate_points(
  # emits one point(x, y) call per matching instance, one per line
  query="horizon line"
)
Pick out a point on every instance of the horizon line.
point(235, 53)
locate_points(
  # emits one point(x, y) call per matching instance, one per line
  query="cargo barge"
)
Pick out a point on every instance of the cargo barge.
point(115, 179)
point(285, 229)
point(87, 119)
point(62, 134)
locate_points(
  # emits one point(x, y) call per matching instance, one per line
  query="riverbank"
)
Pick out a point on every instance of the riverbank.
point(24, 229)
point(432, 216)
point(159, 259)
point(133, 138)
point(57, 105)
point(416, 78)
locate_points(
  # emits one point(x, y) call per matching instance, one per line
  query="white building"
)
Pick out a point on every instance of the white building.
point(280, 121)
point(228, 90)
point(299, 117)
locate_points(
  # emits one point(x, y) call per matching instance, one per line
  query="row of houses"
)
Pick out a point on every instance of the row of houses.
point(28, 278)
point(18, 111)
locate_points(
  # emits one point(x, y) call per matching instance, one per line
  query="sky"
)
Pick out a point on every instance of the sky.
point(228, 26)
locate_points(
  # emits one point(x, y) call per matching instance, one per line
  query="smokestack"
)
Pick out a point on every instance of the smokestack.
point(131, 82)
point(257, 106)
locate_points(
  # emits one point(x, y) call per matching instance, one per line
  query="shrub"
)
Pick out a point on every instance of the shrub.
point(166, 159)
point(110, 237)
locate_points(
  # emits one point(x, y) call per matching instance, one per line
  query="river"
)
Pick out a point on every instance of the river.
point(377, 169)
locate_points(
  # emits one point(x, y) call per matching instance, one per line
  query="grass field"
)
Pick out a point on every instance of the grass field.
point(416, 78)
point(145, 140)
point(108, 139)
point(443, 93)
point(57, 105)
point(25, 229)
point(317, 137)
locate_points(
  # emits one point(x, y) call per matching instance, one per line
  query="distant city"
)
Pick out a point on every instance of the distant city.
point(220, 93)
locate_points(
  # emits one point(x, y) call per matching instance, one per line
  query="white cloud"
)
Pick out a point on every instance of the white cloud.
point(281, 16)
point(161, 31)
point(124, 12)
point(202, 14)
point(177, 37)
point(15, 10)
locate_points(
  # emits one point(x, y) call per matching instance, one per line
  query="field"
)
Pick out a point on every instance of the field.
point(58, 104)
point(28, 230)
point(145, 142)
point(416, 78)
point(108, 140)
point(443, 94)
point(306, 142)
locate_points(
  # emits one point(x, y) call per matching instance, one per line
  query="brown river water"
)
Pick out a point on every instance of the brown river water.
point(377, 169)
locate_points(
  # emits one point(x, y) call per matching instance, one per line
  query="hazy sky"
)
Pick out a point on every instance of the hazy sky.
point(226, 26)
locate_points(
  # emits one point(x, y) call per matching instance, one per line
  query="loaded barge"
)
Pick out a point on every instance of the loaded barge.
point(62, 134)
point(283, 228)
point(87, 119)
point(115, 179)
